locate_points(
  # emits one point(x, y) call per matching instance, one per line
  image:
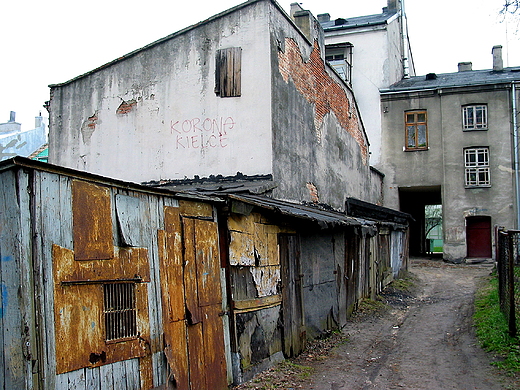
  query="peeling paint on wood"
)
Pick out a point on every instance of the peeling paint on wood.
point(267, 280)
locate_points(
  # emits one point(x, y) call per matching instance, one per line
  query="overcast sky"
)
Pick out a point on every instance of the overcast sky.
point(52, 41)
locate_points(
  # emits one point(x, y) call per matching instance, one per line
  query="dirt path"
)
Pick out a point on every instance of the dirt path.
point(423, 342)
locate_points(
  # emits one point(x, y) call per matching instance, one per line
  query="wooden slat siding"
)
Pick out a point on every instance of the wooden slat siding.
point(13, 367)
point(56, 216)
point(8, 179)
point(107, 377)
point(93, 378)
point(129, 220)
point(292, 299)
point(26, 286)
point(153, 368)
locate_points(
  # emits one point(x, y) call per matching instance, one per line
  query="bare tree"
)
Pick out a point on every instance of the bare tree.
point(510, 7)
point(433, 217)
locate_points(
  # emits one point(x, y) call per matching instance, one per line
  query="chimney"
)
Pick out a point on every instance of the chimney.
point(465, 66)
point(295, 7)
point(303, 19)
point(392, 6)
point(12, 116)
point(322, 18)
point(498, 65)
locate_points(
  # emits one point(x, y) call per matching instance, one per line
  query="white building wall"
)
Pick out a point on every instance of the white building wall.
point(175, 125)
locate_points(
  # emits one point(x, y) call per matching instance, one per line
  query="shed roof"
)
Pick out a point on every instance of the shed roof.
point(456, 79)
point(324, 218)
point(22, 162)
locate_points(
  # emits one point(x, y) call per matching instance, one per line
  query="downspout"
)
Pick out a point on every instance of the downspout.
point(404, 37)
point(515, 155)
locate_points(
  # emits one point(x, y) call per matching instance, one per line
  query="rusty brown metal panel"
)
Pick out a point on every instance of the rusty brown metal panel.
point(190, 272)
point(79, 321)
point(214, 358)
point(91, 221)
point(176, 351)
point(208, 263)
point(171, 273)
point(195, 209)
point(146, 372)
point(128, 263)
point(196, 356)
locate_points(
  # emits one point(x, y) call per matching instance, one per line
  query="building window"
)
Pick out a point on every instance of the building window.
point(228, 72)
point(120, 311)
point(416, 130)
point(340, 58)
point(474, 117)
point(476, 163)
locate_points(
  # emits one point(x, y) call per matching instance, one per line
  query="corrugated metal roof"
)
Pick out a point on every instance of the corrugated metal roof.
point(457, 79)
point(324, 218)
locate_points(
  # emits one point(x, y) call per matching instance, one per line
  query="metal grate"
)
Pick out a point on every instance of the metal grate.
point(120, 311)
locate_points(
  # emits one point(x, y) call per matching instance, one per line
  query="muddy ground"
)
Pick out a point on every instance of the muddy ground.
point(422, 340)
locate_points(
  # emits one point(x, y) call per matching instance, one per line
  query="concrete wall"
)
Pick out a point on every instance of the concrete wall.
point(155, 114)
point(320, 149)
point(443, 163)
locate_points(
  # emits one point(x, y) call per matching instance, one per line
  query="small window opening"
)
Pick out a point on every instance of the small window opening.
point(120, 311)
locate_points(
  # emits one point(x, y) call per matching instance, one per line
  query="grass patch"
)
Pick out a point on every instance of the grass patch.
point(492, 329)
point(406, 283)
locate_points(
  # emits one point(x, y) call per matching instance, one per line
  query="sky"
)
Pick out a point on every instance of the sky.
point(52, 41)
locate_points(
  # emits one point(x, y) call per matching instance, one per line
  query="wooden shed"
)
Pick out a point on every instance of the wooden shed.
point(107, 284)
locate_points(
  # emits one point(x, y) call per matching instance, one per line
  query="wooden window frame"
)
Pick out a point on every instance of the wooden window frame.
point(415, 126)
point(470, 117)
point(476, 169)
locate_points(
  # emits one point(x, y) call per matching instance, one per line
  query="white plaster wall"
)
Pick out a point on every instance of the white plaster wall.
point(178, 127)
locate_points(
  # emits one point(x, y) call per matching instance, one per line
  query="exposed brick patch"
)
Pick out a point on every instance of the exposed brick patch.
point(314, 83)
point(126, 107)
point(313, 191)
point(92, 121)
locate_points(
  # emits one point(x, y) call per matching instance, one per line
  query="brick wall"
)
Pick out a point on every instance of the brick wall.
point(319, 88)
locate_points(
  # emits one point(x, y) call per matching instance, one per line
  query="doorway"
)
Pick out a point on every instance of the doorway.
point(478, 237)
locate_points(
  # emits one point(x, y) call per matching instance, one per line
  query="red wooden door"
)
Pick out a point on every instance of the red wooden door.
point(478, 236)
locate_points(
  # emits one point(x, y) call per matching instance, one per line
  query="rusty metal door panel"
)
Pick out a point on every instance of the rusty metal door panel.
point(190, 272)
point(215, 361)
point(171, 273)
point(294, 336)
point(196, 356)
point(208, 263)
point(91, 221)
point(176, 351)
point(79, 319)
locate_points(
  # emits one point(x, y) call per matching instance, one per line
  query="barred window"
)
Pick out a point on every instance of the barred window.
point(476, 162)
point(474, 117)
point(120, 311)
point(416, 130)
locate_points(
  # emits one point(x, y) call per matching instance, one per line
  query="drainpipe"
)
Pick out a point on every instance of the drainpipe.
point(404, 35)
point(515, 155)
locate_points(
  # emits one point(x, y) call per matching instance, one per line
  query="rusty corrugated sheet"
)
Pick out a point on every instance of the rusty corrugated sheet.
point(91, 221)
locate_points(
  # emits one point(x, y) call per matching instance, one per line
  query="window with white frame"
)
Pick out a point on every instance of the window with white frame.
point(476, 163)
point(474, 117)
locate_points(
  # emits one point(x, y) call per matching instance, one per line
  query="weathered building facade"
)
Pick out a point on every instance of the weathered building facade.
point(110, 284)
point(245, 91)
point(448, 139)
point(371, 52)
